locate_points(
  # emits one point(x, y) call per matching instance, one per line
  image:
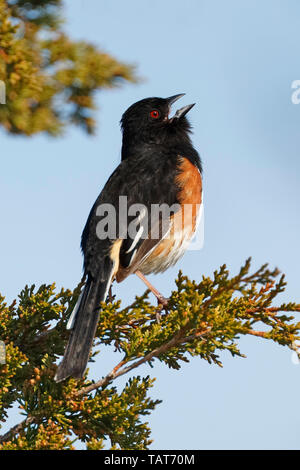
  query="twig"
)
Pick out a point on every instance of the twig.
point(261, 334)
point(16, 429)
point(118, 371)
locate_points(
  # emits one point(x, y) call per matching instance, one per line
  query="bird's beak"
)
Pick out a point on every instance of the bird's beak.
point(174, 98)
point(182, 111)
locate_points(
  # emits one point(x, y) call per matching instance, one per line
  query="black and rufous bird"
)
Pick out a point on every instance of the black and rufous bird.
point(159, 168)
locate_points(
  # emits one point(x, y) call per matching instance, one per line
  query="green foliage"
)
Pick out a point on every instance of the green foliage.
point(50, 79)
point(203, 319)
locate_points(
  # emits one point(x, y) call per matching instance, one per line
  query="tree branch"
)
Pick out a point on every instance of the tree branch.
point(16, 429)
point(118, 371)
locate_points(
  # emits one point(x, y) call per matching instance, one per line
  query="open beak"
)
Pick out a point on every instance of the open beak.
point(182, 111)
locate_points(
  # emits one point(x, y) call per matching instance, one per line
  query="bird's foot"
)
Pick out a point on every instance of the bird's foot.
point(162, 305)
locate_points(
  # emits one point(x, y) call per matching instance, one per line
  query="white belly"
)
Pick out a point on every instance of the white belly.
point(170, 249)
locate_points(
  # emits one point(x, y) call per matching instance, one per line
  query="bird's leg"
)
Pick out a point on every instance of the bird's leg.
point(160, 298)
point(110, 297)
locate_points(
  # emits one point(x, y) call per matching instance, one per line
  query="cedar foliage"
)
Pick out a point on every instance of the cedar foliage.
point(50, 79)
point(204, 319)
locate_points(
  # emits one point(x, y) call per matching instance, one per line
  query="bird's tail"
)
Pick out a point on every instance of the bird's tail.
point(84, 320)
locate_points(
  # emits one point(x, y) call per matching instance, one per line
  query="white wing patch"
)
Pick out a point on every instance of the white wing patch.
point(136, 239)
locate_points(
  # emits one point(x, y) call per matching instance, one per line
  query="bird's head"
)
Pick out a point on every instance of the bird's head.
point(150, 121)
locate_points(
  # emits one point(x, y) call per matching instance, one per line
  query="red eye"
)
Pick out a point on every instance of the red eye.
point(155, 114)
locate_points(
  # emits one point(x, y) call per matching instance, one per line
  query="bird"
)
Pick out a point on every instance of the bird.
point(143, 219)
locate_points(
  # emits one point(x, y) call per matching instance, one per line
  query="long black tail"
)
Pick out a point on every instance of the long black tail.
point(82, 334)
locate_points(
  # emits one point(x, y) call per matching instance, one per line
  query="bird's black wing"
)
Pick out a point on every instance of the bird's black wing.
point(144, 182)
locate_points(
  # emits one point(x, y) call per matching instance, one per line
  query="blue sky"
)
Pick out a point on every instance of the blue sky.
point(237, 61)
